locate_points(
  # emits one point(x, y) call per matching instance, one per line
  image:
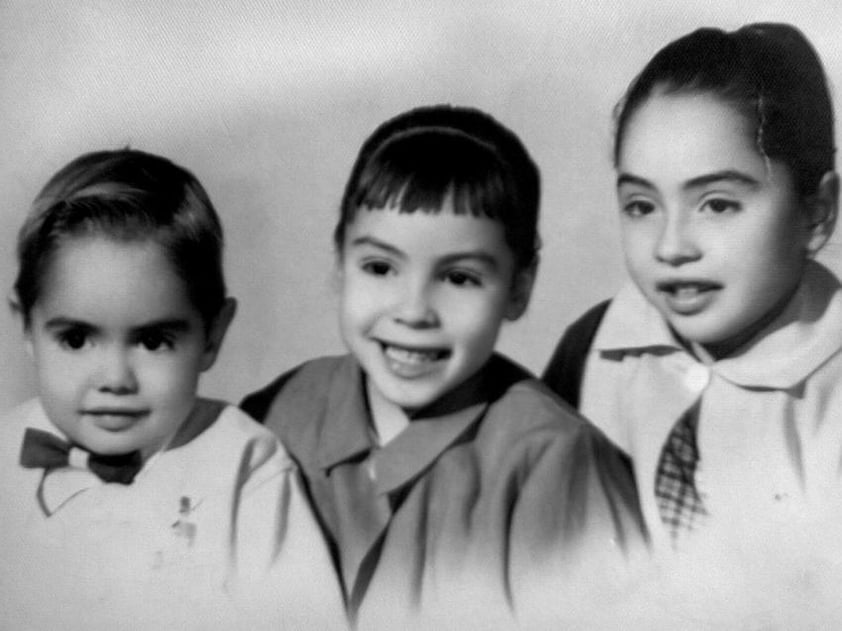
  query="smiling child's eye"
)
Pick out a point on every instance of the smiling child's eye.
point(461, 278)
point(377, 268)
point(73, 339)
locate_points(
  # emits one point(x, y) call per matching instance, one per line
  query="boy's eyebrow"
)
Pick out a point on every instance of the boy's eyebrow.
point(176, 325)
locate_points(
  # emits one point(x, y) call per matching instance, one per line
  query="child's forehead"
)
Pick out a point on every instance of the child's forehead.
point(426, 231)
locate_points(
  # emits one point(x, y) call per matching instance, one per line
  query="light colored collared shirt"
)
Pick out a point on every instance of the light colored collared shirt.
point(213, 533)
point(770, 424)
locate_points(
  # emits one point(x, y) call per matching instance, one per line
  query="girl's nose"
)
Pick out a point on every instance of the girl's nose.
point(415, 307)
point(116, 372)
point(676, 243)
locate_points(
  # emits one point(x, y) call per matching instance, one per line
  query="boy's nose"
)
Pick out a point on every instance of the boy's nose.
point(116, 372)
point(676, 243)
point(415, 308)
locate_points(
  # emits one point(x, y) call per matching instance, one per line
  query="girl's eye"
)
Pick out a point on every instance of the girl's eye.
point(73, 339)
point(156, 341)
point(377, 268)
point(461, 278)
point(719, 206)
point(638, 208)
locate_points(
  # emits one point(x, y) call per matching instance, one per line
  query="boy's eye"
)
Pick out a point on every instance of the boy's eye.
point(719, 206)
point(156, 341)
point(73, 339)
point(377, 268)
point(462, 278)
point(638, 208)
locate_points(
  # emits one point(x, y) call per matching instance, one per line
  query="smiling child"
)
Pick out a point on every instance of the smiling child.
point(448, 481)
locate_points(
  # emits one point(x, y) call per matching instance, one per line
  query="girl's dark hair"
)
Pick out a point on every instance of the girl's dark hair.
point(130, 196)
point(769, 73)
point(421, 158)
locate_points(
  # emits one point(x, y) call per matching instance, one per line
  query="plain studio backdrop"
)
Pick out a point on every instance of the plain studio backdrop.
point(268, 102)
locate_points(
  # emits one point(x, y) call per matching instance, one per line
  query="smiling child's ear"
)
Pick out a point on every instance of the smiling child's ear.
point(17, 312)
point(823, 208)
point(521, 291)
point(216, 332)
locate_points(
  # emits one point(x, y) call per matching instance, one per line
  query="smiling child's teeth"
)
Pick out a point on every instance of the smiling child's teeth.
point(410, 357)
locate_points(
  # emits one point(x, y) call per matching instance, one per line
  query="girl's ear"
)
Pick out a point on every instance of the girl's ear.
point(216, 332)
point(823, 208)
point(521, 291)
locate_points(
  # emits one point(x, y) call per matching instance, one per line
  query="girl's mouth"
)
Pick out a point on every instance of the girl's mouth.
point(687, 297)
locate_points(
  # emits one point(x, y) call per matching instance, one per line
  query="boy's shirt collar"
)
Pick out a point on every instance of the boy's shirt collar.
point(805, 335)
point(346, 434)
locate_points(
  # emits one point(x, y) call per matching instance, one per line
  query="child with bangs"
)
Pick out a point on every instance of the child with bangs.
point(453, 488)
point(127, 501)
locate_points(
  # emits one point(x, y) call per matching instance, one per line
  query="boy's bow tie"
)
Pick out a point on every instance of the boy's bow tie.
point(44, 450)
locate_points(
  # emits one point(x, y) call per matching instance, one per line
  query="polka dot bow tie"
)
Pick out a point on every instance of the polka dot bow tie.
point(42, 450)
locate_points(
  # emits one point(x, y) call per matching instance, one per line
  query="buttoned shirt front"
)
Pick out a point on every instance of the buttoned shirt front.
point(457, 516)
point(770, 416)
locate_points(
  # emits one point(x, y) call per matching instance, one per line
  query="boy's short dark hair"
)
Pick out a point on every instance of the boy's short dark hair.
point(421, 158)
point(125, 195)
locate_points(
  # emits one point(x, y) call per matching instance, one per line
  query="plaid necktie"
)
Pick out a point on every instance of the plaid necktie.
point(44, 450)
point(679, 503)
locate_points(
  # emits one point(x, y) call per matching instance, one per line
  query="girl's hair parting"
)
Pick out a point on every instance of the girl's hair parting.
point(130, 196)
point(769, 73)
point(427, 156)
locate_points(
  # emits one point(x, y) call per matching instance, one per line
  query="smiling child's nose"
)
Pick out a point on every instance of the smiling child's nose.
point(415, 308)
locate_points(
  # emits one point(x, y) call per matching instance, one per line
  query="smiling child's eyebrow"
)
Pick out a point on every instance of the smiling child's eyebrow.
point(61, 322)
point(377, 243)
point(479, 256)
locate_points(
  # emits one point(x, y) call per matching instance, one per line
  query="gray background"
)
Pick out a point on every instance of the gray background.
point(268, 102)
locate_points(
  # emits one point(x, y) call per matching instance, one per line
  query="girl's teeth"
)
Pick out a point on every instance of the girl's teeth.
point(410, 357)
point(686, 291)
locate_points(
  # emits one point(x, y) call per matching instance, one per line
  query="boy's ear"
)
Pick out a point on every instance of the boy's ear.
point(823, 208)
point(216, 332)
point(521, 291)
point(17, 312)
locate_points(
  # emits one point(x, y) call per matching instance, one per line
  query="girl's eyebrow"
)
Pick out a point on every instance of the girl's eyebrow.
point(628, 178)
point(726, 175)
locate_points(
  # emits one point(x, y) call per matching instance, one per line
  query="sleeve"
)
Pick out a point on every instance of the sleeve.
point(257, 404)
point(577, 537)
point(283, 577)
point(566, 368)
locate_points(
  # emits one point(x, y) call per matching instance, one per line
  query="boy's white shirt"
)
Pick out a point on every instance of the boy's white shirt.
point(770, 425)
point(246, 551)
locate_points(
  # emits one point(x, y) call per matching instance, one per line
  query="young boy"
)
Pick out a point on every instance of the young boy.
point(126, 501)
point(451, 485)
